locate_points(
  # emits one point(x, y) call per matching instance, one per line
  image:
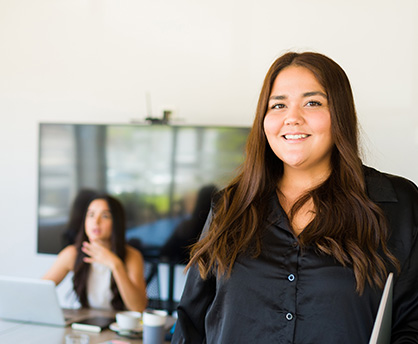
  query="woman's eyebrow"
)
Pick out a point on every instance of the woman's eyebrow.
point(315, 93)
point(304, 95)
point(278, 97)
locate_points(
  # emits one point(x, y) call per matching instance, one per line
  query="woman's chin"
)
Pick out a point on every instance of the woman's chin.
point(101, 241)
point(96, 239)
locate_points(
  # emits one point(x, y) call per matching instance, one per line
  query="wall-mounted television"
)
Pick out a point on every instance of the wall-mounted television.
point(158, 172)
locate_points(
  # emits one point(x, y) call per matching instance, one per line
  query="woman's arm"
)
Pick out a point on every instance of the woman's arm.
point(130, 280)
point(405, 316)
point(404, 216)
point(62, 265)
point(129, 276)
point(197, 295)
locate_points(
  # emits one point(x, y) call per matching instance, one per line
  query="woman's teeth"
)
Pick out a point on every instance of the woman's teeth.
point(295, 137)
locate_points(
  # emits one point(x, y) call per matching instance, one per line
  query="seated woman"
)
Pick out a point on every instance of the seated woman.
point(108, 273)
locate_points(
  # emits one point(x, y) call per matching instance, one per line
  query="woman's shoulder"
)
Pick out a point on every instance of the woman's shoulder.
point(69, 250)
point(133, 253)
point(68, 256)
point(389, 187)
point(398, 198)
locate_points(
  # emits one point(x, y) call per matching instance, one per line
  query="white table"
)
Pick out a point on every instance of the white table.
point(15, 332)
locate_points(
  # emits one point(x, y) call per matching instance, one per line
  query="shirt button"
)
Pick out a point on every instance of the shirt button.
point(289, 316)
point(295, 244)
point(291, 277)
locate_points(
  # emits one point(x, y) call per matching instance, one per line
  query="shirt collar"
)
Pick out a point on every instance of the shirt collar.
point(277, 215)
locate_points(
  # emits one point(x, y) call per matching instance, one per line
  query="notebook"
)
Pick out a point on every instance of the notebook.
point(31, 300)
point(382, 329)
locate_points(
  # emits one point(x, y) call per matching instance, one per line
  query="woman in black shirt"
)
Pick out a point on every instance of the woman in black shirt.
point(298, 247)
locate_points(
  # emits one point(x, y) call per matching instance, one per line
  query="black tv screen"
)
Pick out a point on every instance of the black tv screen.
point(158, 172)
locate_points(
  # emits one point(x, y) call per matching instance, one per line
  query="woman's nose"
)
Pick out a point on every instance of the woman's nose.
point(293, 116)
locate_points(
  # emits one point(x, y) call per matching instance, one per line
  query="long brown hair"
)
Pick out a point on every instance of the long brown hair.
point(347, 224)
point(117, 240)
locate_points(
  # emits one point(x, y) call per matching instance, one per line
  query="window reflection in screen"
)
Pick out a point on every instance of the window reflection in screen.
point(156, 171)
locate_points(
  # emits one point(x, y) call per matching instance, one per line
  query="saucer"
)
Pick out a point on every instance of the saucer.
point(115, 327)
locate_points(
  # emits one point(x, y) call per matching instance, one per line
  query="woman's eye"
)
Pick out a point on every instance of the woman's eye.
point(278, 106)
point(313, 103)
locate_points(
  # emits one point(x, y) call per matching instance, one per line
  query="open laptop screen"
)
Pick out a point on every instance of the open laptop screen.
point(30, 300)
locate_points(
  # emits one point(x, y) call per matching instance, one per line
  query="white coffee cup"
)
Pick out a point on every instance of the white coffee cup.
point(128, 320)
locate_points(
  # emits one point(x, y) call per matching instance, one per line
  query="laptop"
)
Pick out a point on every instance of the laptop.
point(32, 300)
point(382, 329)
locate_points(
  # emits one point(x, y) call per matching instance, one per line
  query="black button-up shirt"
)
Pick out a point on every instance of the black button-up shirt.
point(290, 294)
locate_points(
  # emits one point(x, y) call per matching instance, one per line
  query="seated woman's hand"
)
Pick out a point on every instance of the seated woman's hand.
point(99, 253)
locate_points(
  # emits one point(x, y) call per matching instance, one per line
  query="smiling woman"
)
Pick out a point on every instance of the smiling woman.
point(108, 273)
point(298, 247)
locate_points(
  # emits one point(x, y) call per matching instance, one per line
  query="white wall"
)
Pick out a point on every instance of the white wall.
point(94, 61)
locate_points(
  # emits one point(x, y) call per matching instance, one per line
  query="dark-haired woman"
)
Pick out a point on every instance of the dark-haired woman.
point(108, 273)
point(298, 247)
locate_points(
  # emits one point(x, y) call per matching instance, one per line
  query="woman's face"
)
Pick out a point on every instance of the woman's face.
point(298, 121)
point(98, 224)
